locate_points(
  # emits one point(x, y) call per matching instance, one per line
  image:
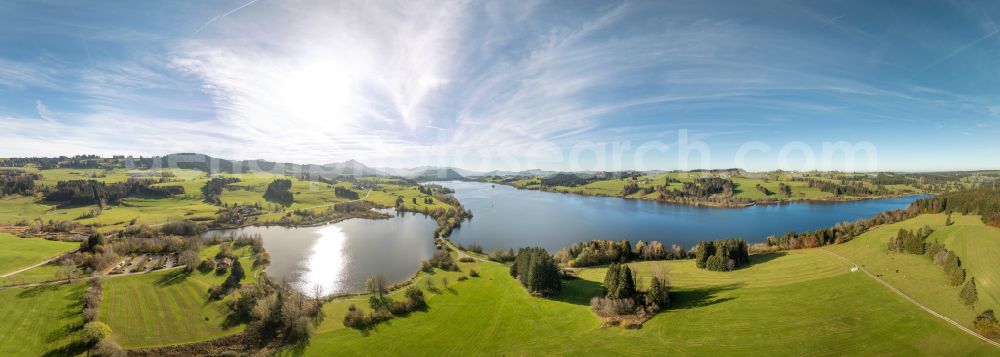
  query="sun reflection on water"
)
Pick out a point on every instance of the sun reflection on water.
point(326, 262)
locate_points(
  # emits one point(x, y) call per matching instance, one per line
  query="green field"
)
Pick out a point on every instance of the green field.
point(976, 245)
point(41, 320)
point(43, 273)
point(745, 186)
point(168, 307)
point(805, 302)
point(308, 196)
point(17, 253)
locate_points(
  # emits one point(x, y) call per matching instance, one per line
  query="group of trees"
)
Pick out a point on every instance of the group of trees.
point(275, 312)
point(345, 193)
point(595, 252)
point(17, 182)
point(278, 191)
point(501, 256)
point(624, 302)
point(784, 190)
point(702, 188)
point(763, 190)
point(537, 271)
point(599, 252)
point(384, 308)
point(948, 261)
point(85, 192)
point(619, 282)
point(853, 188)
point(722, 255)
point(910, 242)
point(441, 260)
point(212, 191)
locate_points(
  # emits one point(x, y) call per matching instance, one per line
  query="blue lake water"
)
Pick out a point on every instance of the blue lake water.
point(505, 217)
point(339, 257)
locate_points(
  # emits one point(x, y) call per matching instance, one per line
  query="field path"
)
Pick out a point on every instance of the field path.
point(463, 254)
point(37, 265)
point(915, 302)
point(31, 267)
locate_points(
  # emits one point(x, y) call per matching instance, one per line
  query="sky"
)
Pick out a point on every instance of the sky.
point(512, 85)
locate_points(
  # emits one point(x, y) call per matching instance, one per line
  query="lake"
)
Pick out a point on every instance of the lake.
point(339, 257)
point(507, 217)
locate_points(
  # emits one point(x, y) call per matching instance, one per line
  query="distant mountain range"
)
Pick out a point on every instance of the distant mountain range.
point(351, 168)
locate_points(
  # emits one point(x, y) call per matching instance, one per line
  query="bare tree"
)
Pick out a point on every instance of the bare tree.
point(67, 270)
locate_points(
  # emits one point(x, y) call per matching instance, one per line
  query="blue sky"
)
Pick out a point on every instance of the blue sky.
point(579, 85)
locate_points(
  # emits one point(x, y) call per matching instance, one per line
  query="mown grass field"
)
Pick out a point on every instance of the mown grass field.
point(41, 320)
point(17, 253)
point(801, 303)
point(918, 277)
point(169, 307)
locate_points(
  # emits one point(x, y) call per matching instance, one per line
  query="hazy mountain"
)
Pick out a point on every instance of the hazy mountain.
point(442, 174)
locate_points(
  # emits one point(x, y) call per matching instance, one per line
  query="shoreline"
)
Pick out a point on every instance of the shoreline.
point(716, 204)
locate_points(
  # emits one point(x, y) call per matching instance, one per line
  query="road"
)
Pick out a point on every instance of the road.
point(915, 302)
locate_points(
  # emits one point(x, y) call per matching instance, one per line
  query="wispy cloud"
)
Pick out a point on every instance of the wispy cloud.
point(478, 82)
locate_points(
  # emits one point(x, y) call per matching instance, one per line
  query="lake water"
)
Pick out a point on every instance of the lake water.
point(505, 217)
point(340, 256)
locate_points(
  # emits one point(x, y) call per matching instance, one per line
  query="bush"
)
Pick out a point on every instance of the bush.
point(415, 298)
point(605, 307)
point(206, 265)
point(426, 266)
point(466, 259)
point(93, 332)
point(380, 315)
point(442, 260)
point(355, 318)
point(473, 273)
point(398, 308)
point(463, 278)
point(501, 256)
point(987, 325)
point(107, 348)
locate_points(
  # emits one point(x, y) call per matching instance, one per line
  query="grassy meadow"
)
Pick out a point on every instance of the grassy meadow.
point(977, 246)
point(42, 320)
point(745, 186)
point(17, 253)
point(804, 302)
point(169, 307)
point(308, 196)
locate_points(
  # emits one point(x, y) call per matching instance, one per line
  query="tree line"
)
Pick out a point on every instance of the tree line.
point(984, 201)
point(600, 252)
